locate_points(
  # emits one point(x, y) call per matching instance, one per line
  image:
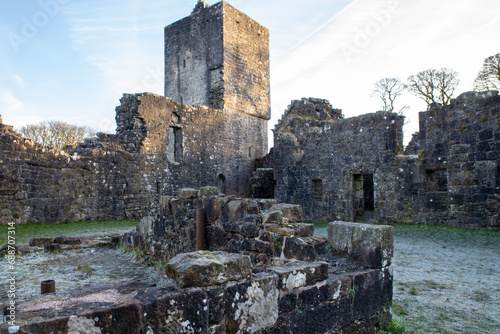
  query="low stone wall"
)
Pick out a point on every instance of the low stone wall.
point(348, 303)
point(263, 273)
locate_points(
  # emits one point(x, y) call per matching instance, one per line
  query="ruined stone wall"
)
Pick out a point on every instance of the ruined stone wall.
point(265, 273)
point(449, 174)
point(95, 181)
point(320, 161)
point(160, 146)
point(193, 146)
point(459, 166)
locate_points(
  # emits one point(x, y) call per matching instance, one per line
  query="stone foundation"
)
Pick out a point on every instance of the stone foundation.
point(264, 273)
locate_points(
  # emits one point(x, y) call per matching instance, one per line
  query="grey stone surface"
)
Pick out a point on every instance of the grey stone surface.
point(291, 212)
point(208, 191)
point(356, 169)
point(187, 193)
point(146, 225)
point(300, 274)
point(204, 268)
point(371, 244)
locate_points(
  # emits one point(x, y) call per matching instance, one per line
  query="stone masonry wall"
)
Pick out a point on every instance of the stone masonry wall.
point(320, 160)
point(354, 169)
point(218, 57)
point(459, 166)
point(96, 181)
point(194, 58)
point(265, 273)
point(160, 146)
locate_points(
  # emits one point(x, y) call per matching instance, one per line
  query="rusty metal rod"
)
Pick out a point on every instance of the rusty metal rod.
point(200, 230)
point(48, 286)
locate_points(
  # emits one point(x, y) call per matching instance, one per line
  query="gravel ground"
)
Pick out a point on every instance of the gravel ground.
point(446, 280)
point(77, 268)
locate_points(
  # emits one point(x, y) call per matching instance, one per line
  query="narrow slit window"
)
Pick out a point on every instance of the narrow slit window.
point(250, 152)
point(174, 149)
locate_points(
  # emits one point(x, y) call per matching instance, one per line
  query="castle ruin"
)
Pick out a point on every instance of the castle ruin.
point(211, 129)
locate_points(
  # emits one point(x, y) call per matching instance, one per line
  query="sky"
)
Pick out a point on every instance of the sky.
point(72, 60)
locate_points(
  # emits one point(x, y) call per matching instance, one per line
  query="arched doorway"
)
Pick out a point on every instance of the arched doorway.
point(220, 183)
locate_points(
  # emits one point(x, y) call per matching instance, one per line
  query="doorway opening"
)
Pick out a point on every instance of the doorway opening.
point(364, 197)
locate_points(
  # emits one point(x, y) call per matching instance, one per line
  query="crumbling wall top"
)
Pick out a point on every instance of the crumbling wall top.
point(310, 108)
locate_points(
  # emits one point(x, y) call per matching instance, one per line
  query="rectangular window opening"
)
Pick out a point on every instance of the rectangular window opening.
point(250, 152)
point(436, 180)
point(174, 148)
point(317, 192)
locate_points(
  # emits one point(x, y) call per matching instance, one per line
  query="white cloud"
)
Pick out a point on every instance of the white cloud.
point(369, 41)
point(18, 79)
point(16, 112)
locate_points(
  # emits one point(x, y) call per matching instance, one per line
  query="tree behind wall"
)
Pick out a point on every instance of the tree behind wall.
point(56, 134)
point(388, 90)
point(488, 77)
point(434, 86)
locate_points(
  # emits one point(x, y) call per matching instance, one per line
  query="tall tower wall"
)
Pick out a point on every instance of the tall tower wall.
point(218, 57)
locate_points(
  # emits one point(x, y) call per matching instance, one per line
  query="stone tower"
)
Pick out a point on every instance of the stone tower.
point(218, 57)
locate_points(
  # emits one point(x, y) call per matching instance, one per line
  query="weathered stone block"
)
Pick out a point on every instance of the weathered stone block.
point(146, 225)
point(213, 209)
point(266, 204)
point(208, 191)
point(324, 318)
point(372, 290)
point(308, 297)
point(205, 268)
point(304, 230)
point(187, 193)
point(41, 242)
point(252, 306)
point(300, 274)
point(165, 205)
point(371, 244)
point(175, 312)
point(67, 241)
point(273, 217)
point(339, 286)
point(291, 212)
point(296, 248)
point(232, 211)
point(53, 248)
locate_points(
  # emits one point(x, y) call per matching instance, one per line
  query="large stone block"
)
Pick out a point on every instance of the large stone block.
point(371, 244)
point(300, 274)
point(208, 191)
point(146, 225)
point(291, 212)
point(252, 306)
point(187, 193)
point(372, 291)
point(205, 268)
point(297, 248)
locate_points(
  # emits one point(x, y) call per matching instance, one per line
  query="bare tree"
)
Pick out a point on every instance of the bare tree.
point(56, 134)
point(488, 77)
point(388, 90)
point(434, 86)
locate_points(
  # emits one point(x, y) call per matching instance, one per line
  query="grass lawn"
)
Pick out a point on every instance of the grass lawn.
point(25, 232)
